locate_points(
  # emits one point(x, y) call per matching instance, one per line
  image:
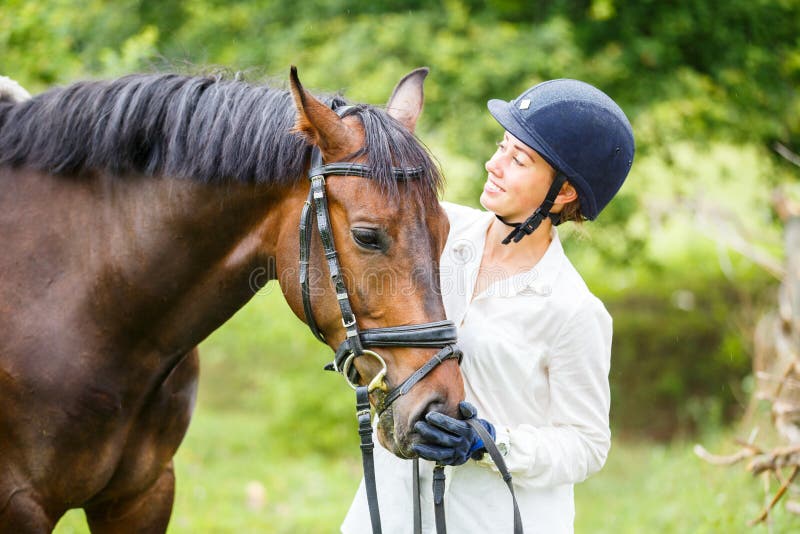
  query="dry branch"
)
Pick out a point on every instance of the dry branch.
point(716, 459)
point(776, 498)
point(776, 365)
point(775, 459)
point(786, 153)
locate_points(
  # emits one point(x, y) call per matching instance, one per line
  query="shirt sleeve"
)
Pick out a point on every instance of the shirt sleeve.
point(575, 443)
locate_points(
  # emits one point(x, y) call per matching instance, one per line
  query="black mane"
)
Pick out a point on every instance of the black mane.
point(204, 128)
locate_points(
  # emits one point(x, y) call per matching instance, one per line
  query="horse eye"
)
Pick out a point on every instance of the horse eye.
point(368, 238)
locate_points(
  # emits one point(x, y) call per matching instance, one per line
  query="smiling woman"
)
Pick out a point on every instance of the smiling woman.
point(526, 178)
point(537, 343)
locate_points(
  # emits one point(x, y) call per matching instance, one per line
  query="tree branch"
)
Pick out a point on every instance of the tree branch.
point(786, 153)
point(776, 498)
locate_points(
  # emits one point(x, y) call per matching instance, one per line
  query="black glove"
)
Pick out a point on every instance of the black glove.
point(451, 441)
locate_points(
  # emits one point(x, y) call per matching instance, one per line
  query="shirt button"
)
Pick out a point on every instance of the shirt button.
point(546, 290)
point(463, 251)
point(531, 277)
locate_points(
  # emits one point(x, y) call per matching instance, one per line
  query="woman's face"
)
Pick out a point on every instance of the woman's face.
point(518, 180)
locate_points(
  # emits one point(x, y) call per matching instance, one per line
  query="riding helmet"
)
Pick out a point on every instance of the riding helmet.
point(579, 130)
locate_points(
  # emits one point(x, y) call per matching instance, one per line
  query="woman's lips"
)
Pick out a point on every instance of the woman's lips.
point(491, 187)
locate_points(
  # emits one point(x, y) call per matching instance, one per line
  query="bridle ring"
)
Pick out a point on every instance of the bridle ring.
point(378, 382)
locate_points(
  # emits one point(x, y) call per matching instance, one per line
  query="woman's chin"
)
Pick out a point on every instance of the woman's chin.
point(488, 202)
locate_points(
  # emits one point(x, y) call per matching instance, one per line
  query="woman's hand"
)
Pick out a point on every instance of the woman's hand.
point(451, 441)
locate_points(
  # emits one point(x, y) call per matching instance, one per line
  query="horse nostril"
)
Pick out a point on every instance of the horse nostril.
point(435, 404)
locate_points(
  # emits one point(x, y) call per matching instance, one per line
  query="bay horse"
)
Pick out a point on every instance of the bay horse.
point(133, 216)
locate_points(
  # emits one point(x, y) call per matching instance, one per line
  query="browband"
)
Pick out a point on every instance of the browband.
point(363, 171)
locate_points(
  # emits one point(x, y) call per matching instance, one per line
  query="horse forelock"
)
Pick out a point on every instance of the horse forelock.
point(205, 128)
point(388, 146)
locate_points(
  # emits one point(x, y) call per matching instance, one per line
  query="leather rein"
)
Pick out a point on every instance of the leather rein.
point(437, 334)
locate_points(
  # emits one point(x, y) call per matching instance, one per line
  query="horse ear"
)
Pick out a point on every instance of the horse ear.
point(12, 91)
point(318, 122)
point(406, 101)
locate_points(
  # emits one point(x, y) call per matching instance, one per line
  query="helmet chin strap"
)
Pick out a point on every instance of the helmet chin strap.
point(532, 223)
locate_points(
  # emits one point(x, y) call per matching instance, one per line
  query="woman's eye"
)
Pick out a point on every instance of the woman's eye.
point(368, 238)
point(501, 146)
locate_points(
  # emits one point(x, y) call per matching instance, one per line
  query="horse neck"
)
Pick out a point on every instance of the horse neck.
point(163, 262)
point(201, 250)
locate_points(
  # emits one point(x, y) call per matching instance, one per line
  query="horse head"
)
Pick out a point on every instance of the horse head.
point(388, 231)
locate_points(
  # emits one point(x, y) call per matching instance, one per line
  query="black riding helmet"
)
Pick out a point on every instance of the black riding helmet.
point(581, 132)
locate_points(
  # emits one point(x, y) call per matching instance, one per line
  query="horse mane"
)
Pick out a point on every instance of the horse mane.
point(206, 128)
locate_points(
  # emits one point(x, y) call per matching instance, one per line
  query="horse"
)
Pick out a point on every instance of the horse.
point(135, 214)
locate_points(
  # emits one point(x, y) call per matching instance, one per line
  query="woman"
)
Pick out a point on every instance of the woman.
point(536, 342)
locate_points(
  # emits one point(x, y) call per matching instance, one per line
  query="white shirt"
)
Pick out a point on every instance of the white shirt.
point(537, 350)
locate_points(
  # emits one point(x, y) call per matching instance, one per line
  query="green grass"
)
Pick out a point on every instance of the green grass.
point(644, 488)
point(268, 417)
point(647, 487)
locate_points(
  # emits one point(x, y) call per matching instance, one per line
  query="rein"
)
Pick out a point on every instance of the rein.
point(437, 334)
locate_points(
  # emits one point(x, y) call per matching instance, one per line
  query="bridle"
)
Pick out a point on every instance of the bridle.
point(437, 334)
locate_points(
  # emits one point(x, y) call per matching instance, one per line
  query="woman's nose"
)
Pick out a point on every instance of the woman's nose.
point(493, 166)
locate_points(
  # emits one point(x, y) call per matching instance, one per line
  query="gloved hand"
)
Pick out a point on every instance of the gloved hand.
point(451, 441)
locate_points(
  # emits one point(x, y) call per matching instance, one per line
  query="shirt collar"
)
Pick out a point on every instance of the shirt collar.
point(539, 280)
point(542, 277)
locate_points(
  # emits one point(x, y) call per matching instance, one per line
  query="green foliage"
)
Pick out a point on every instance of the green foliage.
point(706, 71)
point(680, 352)
point(43, 43)
point(265, 359)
